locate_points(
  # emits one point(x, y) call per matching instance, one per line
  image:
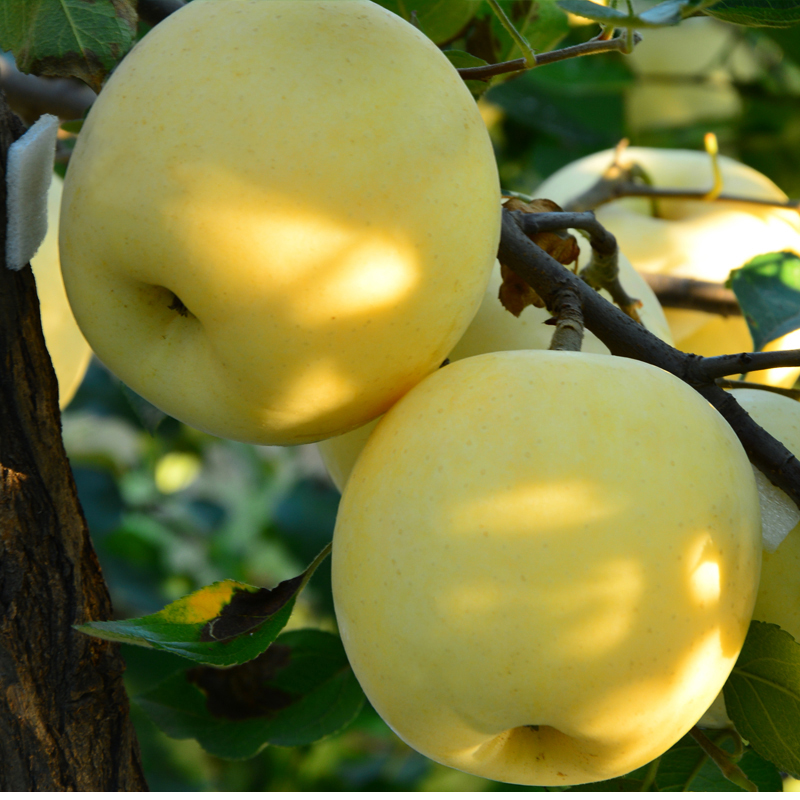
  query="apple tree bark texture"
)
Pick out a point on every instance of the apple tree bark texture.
point(64, 723)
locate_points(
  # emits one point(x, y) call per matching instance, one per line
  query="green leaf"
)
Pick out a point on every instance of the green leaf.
point(762, 695)
point(685, 767)
point(459, 59)
point(295, 693)
point(223, 624)
point(757, 13)
point(439, 20)
point(670, 12)
point(768, 290)
point(541, 22)
point(80, 38)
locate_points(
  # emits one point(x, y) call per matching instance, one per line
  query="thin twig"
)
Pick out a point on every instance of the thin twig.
point(673, 292)
point(725, 383)
point(605, 191)
point(593, 46)
point(738, 363)
point(602, 271)
point(488, 71)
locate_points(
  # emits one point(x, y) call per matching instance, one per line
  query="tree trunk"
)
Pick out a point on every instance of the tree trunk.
point(64, 722)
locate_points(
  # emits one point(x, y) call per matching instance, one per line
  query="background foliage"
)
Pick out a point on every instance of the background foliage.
point(174, 510)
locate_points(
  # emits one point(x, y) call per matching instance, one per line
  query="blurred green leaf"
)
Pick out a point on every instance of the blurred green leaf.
point(439, 20)
point(295, 693)
point(757, 13)
point(768, 290)
point(762, 695)
point(222, 624)
point(100, 499)
point(663, 14)
point(149, 416)
point(80, 38)
point(541, 22)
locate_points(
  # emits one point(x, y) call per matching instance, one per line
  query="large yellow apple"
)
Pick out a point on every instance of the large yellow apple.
point(692, 239)
point(279, 216)
point(68, 349)
point(495, 329)
point(545, 564)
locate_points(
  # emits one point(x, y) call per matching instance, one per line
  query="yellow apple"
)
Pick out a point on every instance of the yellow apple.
point(279, 216)
point(686, 74)
point(778, 598)
point(68, 349)
point(689, 238)
point(495, 329)
point(545, 564)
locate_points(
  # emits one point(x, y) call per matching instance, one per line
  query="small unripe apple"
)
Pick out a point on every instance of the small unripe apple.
point(545, 564)
point(496, 329)
point(69, 351)
point(279, 216)
point(691, 238)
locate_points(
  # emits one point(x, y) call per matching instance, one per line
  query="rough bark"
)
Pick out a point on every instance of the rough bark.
point(64, 723)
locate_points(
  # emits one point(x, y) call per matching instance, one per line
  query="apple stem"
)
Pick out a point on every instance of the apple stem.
point(650, 775)
point(724, 760)
point(568, 321)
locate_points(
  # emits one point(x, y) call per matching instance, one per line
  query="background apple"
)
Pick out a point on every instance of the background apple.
point(68, 349)
point(686, 74)
point(691, 239)
point(778, 598)
point(288, 269)
point(496, 329)
point(518, 591)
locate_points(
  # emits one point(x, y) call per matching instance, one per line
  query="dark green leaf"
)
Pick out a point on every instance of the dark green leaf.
point(439, 20)
point(223, 624)
point(762, 695)
point(80, 38)
point(768, 290)
point(460, 58)
point(757, 13)
point(297, 692)
point(686, 768)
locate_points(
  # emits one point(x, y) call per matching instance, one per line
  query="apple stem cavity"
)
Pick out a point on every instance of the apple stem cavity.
point(178, 305)
point(626, 338)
